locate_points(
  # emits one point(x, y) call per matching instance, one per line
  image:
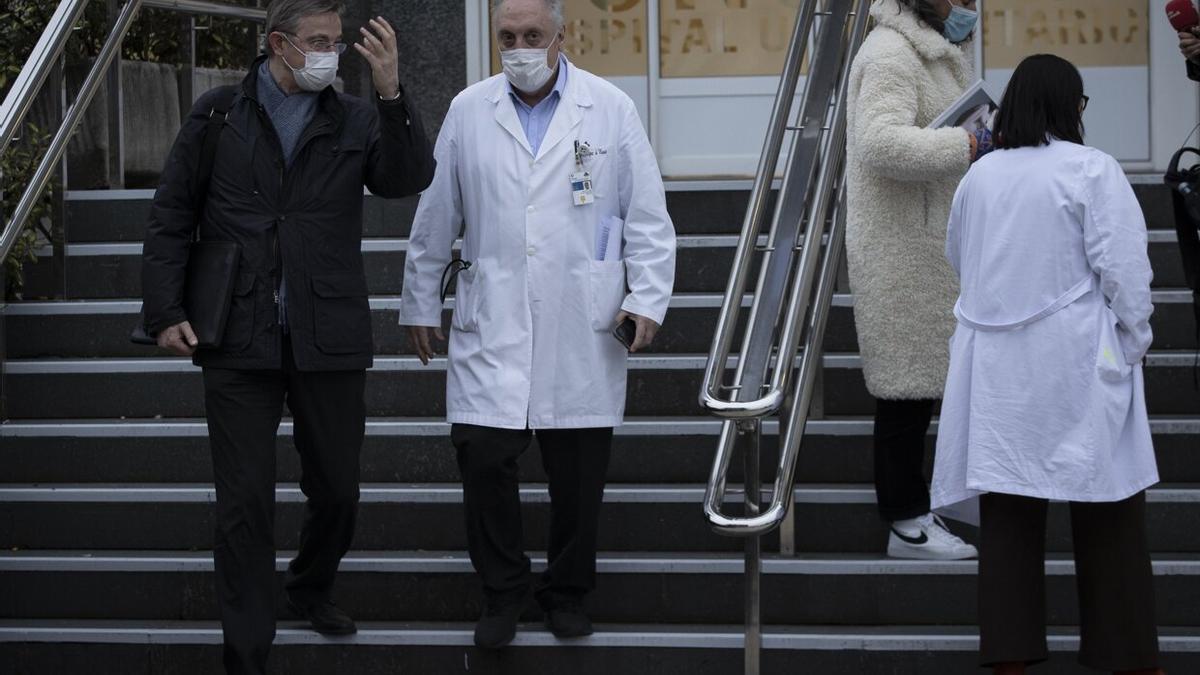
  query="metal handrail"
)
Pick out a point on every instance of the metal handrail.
point(751, 226)
point(812, 198)
point(37, 68)
point(834, 55)
point(205, 8)
point(813, 189)
point(42, 59)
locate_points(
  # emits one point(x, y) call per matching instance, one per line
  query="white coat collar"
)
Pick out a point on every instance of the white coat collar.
point(576, 95)
point(930, 44)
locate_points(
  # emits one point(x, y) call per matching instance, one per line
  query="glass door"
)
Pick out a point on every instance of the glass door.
point(705, 87)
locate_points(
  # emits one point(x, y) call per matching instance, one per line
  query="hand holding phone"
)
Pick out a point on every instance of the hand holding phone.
point(626, 332)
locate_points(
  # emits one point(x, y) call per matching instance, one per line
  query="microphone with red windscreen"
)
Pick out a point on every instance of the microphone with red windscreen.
point(1183, 15)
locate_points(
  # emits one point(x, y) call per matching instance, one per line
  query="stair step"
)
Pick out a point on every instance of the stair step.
point(696, 207)
point(121, 215)
point(192, 648)
point(113, 270)
point(655, 518)
point(399, 386)
point(672, 588)
point(665, 450)
point(100, 328)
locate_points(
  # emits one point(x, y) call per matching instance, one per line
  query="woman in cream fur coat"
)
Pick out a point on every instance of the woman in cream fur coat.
point(901, 178)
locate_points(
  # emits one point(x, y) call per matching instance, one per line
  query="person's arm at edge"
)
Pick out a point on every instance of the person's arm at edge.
point(172, 222)
point(435, 226)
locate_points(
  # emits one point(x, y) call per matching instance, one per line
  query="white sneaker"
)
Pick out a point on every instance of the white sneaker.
point(926, 538)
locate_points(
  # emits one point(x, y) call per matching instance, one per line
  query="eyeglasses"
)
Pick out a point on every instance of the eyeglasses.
point(1085, 101)
point(320, 44)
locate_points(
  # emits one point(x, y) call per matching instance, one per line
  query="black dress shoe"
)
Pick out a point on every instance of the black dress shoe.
point(326, 618)
point(567, 620)
point(498, 625)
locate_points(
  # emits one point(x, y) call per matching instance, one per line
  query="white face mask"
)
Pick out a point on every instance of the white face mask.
point(319, 70)
point(526, 69)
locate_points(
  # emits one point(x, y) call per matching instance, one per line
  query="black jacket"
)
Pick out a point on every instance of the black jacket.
point(302, 222)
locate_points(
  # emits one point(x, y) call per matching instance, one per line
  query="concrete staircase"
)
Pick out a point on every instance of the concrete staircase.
point(106, 500)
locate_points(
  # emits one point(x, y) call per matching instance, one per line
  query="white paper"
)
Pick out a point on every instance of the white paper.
point(609, 233)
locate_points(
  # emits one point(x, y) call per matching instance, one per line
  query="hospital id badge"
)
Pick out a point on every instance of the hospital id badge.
point(581, 188)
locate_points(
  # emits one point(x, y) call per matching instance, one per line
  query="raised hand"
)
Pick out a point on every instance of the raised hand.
point(378, 47)
point(1189, 45)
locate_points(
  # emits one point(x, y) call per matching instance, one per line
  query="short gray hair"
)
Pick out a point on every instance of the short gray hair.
point(555, 7)
point(284, 16)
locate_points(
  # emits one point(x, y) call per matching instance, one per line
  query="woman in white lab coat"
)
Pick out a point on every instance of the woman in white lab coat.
point(1044, 398)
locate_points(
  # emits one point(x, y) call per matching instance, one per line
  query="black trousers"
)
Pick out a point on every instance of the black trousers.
point(901, 489)
point(244, 408)
point(1112, 570)
point(576, 462)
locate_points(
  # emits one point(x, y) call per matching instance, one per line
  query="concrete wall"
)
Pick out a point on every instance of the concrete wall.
point(433, 50)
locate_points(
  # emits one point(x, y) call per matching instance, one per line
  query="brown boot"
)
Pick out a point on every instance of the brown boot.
point(1143, 671)
point(1009, 669)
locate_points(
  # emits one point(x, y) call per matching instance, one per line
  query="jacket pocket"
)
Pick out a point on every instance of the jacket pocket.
point(597, 168)
point(341, 313)
point(468, 292)
point(239, 324)
point(1110, 355)
point(606, 279)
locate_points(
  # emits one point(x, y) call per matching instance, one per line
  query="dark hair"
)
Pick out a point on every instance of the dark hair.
point(926, 13)
point(1043, 100)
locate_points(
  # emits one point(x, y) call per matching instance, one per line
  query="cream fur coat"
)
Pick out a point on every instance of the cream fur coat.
point(901, 178)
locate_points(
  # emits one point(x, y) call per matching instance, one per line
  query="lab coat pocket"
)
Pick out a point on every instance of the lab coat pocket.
point(596, 165)
point(606, 279)
point(466, 300)
point(1110, 355)
point(609, 234)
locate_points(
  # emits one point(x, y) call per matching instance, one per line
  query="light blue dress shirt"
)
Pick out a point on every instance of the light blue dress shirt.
point(536, 120)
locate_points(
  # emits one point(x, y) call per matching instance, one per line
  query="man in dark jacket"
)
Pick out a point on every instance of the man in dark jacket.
point(287, 185)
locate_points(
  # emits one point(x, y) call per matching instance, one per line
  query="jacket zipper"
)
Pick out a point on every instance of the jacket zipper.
point(277, 266)
point(265, 121)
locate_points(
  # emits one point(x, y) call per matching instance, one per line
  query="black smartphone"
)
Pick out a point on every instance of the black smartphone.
point(625, 332)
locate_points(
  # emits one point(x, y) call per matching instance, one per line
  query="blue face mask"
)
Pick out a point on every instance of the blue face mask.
point(960, 23)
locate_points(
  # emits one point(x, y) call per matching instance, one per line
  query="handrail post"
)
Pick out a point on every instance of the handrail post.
point(750, 438)
point(3, 343)
point(116, 110)
point(187, 78)
point(57, 89)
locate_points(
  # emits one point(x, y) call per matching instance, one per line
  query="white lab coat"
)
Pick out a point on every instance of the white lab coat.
point(1045, 396)
point(530, 340)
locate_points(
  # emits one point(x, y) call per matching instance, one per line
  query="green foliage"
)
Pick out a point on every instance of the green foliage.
point(19, 164)
point(158, 36)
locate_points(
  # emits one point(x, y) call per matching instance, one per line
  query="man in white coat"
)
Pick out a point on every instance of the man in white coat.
point(548, 171)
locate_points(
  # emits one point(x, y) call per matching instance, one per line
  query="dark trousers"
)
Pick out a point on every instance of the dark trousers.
point(576, 462)
point(1112, 570)
point(244, 408)
point(900, 429)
